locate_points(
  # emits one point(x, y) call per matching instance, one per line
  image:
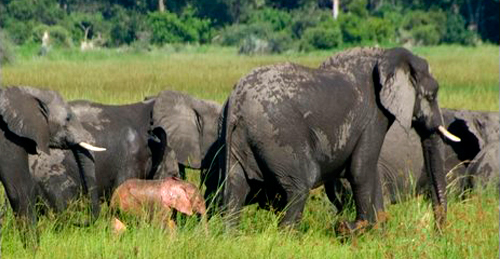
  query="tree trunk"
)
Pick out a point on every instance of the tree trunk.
point(474, 15)
point(161, 6)
point(335, 9)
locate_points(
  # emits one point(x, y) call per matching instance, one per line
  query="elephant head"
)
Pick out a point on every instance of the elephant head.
point(479, 131)
point(409, 92)
point(406, 92)
point(475, 128)
point(37, 120)
point(190, 123)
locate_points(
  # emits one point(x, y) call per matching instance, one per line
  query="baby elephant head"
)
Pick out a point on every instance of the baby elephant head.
point(183, 196)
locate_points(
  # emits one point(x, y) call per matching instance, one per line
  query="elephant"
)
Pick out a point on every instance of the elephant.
point(137, 148)
point(478, 130)
point(32, 121)
point(483, 170)
point(139, 197)
point(287, 129)
point(401, 162)
point(191, 125)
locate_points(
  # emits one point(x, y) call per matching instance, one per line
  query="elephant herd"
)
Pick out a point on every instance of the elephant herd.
point(365, 124)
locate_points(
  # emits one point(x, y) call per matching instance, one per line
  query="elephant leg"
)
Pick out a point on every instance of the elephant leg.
point(296, 200)
point(337, 194)
point(235, 193)
point(21, 191)
point(365, 183)
point(182, 171)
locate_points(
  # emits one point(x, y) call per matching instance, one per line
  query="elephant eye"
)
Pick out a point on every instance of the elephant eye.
point(432, 96)
point(69, 117)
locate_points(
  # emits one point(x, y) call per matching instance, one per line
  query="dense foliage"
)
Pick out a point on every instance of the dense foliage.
point(256, 26)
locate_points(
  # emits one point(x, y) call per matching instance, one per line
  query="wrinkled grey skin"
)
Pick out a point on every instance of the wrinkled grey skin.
point(401, 162)
point(477, 130)
point(484, 169)
point(191, 126)
point(135, 149)
point(32, 121)
point(288, 129)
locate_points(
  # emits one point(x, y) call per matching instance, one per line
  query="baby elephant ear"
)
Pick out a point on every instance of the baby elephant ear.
point(397, 93)
point(26, 116)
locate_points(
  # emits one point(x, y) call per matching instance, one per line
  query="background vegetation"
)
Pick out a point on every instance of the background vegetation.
point(254, 26)
point(468, 79)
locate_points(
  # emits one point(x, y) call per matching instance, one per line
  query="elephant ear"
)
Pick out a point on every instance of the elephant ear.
point(397, 93)
point(174, 112)
point(26, 116)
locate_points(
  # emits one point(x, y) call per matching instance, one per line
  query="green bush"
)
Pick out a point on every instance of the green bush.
point(6, 50)
point(77, 21)
point(19, 32)
point(199, 28)
point(325, 36)
point(378, 30)
point(358, 8)
point(425, 28)
point(274, 43)
point(22, 10)
point(352, 27)
point(306, 18)
point(43, 11)
point(281, 41)
point(59, 36)
point(167, 27)
point(456, 32)
point(252, 45)
point(233, 35)
point(278, 19)
point(425, 35)
point(126, 25)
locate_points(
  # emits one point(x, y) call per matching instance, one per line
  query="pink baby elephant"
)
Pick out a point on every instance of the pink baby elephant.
point(156, 198)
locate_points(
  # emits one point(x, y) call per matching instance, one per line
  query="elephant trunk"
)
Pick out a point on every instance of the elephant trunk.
point(432, 147)
point(86, 168)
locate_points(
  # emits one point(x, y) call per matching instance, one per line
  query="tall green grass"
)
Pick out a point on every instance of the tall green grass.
point(468, 78)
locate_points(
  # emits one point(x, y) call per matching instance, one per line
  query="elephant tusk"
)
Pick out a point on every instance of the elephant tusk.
point(90, 147)
point(448, 135)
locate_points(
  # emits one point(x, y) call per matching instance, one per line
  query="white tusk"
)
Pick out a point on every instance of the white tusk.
point(448, 134)
point(90, 147)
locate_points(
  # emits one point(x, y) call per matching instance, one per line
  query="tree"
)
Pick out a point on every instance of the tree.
point(335, 9)
point(161, 6)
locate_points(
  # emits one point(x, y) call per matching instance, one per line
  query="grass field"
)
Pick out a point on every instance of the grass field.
point(468, 79)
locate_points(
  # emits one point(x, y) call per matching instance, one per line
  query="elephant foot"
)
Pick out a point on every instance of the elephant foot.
point(346, 228)
point(118, 227)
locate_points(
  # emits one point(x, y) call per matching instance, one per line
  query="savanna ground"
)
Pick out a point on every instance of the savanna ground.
point(468, 79)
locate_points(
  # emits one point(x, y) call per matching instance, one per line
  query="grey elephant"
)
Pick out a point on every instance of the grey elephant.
point(479, 132)
point(288, 128)
point(137, 148)
point(191, 125)
point(401, 162)
point(136, 136)
point(483, 170)
point(32, 121)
